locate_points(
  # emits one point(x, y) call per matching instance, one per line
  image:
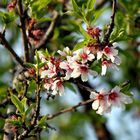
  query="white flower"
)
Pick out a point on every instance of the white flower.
point(51, 72)
point(110, 52)
point(48, 83)
point(83, 55)
point(57, 87)
point(107, 64)
point(99, 55)
point(66, 66)
point(100, 104)
point(66, 51)
point(83, 70)
point(117, 98)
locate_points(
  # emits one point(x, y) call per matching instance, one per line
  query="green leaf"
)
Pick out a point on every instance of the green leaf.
point(15, 122)
point(24, 101)
point(17, 103)
point(41, 65)
point(42, 122)
point(70, 86)
point(29, 109)
point(80, 45)
point(76, 8)
point(90, 4)
point(38, 7)
point(7, 17)
point(96, 66)
point(85, 34)
point(30, 65)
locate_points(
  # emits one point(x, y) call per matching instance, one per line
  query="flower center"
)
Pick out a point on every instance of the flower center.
point(113, 96)
point(83, 69)
point(59, 83)
point(84, 55)
point(100, 97)
point(105, 62)
point(107, 50)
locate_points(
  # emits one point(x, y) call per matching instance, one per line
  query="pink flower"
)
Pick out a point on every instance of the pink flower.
point(100, 104)
point(48, 83)
point(110, 52)
point(51, 72)
point(57, 87)
point(66, 66)
point(107, 64)
point(117, 98)
point(83, 55)
point(86, 55)
point(83, 70)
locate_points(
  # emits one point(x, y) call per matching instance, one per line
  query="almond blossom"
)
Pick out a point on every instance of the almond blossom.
point(100, 104)
point(48, 83)
point(107, 64)
point(66, 52)
point(83, 71)
point(84, 55)
point(110, 52)
point(117, 98)
point(66, 66)
point(57, 87)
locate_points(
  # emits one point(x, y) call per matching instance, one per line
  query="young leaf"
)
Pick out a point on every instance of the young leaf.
point(29, 109)
point(80, 45)
point(90, 4)
point(17, 103)
point(30, 65)
point(76, 8)
point(23, 101)
point(42, 121)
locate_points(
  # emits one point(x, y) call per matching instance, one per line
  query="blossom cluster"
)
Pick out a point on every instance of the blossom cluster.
point(104, 101)
point(70, 64)
point(76, 63)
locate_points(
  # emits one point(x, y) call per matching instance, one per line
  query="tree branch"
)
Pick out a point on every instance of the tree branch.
point(111, 25)
point(35, 116)
point(23, 17)
point(70, 109)
point(12, 52)
point(48, 32)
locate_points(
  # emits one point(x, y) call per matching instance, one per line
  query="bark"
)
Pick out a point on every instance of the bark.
point(8, 135)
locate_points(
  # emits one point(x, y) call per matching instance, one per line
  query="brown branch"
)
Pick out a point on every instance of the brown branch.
point(12, 52)
point(70, 109)
point(23, 16)
point(26, 132)
point(48, 32)
point(111, 25)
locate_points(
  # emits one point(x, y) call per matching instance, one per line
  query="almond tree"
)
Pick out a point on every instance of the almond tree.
point(62, 47)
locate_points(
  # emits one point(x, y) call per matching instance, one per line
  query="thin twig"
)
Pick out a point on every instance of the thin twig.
point(48, 32)
point(111, 25)
point(12, 52)
point(26, 132)
point(70, 109)
point(23, 15)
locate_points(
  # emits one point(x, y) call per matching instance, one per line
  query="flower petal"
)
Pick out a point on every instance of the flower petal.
point(95, 104)
point(104, 68)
